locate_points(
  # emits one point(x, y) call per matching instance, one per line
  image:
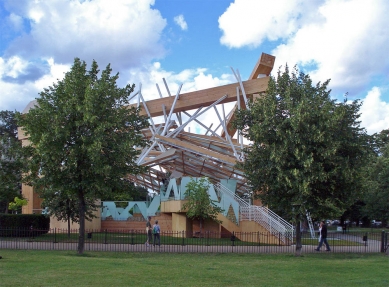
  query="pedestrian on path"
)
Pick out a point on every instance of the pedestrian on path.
point(156, 232)
point(323, 237)
point(344, 227)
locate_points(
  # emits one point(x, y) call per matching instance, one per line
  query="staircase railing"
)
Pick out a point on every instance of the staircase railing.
point(275, 224)
point(310, 224)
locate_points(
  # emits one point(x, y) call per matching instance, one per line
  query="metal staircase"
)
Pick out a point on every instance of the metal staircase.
point(310, 224)
point(276, 225)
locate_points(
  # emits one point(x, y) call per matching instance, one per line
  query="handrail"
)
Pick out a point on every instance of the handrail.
point(272, 222)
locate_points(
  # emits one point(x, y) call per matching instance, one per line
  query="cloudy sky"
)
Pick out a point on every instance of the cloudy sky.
point(195, 42)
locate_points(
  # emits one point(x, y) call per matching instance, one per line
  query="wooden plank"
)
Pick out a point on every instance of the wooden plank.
point(194, 148)
point(264, 66)
point(227, 150)
point(167, 155)
point(204, 98)
point(203, 167)
point(207, 138)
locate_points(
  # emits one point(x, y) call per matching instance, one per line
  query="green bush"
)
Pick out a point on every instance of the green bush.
point(22, 225)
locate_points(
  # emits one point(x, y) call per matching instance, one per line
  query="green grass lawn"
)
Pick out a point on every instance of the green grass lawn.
point(64, 268)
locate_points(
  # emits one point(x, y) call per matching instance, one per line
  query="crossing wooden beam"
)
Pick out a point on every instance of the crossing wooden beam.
point(204, 98)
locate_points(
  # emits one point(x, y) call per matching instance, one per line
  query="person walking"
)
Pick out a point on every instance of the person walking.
point(344, 227)
point(323, 237)
point(148, 232)
point(156, 232)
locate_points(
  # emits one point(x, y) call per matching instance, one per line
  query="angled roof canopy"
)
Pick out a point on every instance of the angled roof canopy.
point(206, 150)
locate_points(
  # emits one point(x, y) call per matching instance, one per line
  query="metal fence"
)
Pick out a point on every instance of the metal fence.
point(171, 241)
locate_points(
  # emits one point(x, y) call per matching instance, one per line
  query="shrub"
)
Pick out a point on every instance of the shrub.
point(22, 225)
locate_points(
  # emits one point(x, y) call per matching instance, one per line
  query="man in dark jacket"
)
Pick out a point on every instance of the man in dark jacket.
point(323, 237)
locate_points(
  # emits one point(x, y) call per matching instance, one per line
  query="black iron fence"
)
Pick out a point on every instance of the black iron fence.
point(172, 241)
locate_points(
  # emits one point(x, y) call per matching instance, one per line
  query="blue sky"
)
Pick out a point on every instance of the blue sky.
point(195, 42)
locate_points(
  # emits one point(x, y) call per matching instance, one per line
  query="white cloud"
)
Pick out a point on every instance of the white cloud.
point(339, 39)
point(374, 112)
point(125, 33)
point(180, 21)
point(15, 96)
point(16, 21)
point(12, 67)
point(249, 23)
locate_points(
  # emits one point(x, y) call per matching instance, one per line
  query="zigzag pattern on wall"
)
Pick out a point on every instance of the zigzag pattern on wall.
point(234, 207)
point(172, 192)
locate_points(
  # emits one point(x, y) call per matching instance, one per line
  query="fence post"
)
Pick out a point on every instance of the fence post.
point(383, 241)
point(364, 238)
point(132, 236)
point(32, 233)
point(105, 236)
point(233, 238)
point(183, 238)
point(55, 235)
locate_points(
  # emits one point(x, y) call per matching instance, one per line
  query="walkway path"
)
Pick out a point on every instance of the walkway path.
point(371, 247)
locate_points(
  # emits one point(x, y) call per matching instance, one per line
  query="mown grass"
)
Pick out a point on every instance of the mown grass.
point(64, 268)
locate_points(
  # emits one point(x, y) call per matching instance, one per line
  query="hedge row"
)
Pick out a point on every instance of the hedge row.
point(23, 224)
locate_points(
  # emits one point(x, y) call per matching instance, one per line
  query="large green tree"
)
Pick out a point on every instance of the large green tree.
point(199, 205)
point(11, 159)
point(84, 138)
point(377, 180)
point(306, 149)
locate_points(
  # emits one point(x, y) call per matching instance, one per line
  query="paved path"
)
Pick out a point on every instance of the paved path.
point(371, 247)
point(356, 238)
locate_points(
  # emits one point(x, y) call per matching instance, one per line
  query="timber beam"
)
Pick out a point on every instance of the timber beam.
point(204, 98)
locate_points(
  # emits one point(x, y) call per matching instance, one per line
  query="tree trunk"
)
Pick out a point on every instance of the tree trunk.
point(298, 239)
point(68, 214)
point(6, 207)
point(201, 225)
point(68, 227)
point(81, 234)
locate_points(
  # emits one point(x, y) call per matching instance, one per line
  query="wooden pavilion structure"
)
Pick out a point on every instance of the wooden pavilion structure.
point(206, 151)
